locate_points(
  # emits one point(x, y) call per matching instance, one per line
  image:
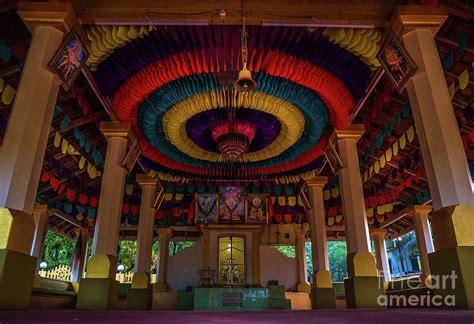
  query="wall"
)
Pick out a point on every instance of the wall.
point(183, 268)
point(274, 265)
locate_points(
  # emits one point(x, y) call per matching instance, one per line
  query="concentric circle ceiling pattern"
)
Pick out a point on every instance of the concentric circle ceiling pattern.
point(174, 85)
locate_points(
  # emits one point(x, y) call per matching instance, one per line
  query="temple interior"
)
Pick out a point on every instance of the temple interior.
point(193, 160)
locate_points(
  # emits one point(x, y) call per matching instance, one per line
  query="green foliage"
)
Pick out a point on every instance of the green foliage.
point(287, 250)
point(57, 250)
point(337, 252)
point(126, 254)
point(177, 246)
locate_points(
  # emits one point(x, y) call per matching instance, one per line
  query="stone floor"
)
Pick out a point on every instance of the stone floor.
point(294, 317)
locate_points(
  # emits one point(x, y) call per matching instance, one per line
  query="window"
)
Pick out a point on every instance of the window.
point(231, 261)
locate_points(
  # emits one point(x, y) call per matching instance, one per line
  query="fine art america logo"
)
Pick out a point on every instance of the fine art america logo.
point(435, 283)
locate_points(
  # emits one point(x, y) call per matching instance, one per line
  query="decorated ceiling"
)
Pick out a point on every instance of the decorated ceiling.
point(175, 85)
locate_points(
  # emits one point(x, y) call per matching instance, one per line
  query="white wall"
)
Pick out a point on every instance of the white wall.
point(183, 268)
point(274, 265)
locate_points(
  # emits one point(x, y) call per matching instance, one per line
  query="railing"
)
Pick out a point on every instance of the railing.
point(64, 273)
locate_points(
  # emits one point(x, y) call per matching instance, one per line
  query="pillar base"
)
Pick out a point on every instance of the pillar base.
point(363, 292)
point(139, 298)
point(453, 226)
point(303, 287)
point(16, 279)
point(323, 298)
point(160, 287)
point(460, 261)
point(97, 293)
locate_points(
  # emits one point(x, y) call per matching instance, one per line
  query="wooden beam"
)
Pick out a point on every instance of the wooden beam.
point(67, 218)
point(323, 12)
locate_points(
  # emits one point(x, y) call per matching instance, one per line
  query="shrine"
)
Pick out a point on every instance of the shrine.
point(252, 156)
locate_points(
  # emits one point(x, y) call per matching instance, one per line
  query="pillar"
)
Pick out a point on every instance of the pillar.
point(164, 235)
point(323, 294)
point(301, 267)
point(80, 260)
point(423, 239)
point(256, 238)
point(362, 285)
point(140, 294)
point(443, 154)
point(40, 217)
point(99, 290)
point(23, 149)
point(380, 249)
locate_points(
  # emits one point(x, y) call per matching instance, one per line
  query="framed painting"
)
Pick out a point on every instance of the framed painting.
point(68, 59)
point(231, 205)
point(396, 61)
point(206, 208)
point(256, 209)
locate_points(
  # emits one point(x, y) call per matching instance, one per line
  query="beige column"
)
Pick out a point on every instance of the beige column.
point(355, 218)
point(79, 263)
point(319, 241)
point(102, 265)
point(301, 266)
point(423, 238)
point(445, 162)
point(256, 238)
point(362, 286)
point(380, 249)
point(23, 148)
point(162, 259)
point(443, 153)
point(41, 217)
point(111, 195)
point(146, 223)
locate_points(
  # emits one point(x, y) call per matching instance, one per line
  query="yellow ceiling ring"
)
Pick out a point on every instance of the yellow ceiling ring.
point(291, 118)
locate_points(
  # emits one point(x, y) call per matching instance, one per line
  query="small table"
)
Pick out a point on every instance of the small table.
point(207, 276)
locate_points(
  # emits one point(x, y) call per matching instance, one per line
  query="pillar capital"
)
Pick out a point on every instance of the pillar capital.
point(59, 15)
point(419, 209)
point(164, 231)
point(146, 180)
point(116, 129)
point(317, 182)
point(378, 232)
point(353, 131)
point(39, 209)
point(408, 18)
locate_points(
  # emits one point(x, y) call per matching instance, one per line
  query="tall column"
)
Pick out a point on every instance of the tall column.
point(423, 239)
point(383, 268)
point(23, 148)
point(256, 237)
point(445, 162)
point(139, 295)
point(323, 294)
point(362, 285)
point(80, 259)
point(162, 259)
point(102, 265)
point(40, 216)
point(301, 266)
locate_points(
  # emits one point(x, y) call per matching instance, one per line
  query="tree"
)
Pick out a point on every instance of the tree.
point(57, 250)
point(337, 252)
point(126, 254)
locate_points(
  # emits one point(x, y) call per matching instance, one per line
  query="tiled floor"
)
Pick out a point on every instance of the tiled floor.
point(294, 317)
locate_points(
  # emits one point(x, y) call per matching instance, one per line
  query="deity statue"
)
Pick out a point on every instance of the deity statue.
point(256, 209)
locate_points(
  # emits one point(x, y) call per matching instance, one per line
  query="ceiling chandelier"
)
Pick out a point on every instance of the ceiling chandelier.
point(233, 142)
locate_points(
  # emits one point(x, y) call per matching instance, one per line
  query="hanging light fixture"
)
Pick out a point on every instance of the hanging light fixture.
point(244, 83)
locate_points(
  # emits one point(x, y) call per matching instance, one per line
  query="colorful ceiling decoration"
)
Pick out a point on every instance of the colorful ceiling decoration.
point(175, 85)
